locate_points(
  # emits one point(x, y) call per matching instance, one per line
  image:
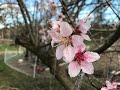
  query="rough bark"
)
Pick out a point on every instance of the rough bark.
point(111, 40)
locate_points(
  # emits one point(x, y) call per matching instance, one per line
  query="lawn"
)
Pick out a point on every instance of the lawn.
point(12, 48)
point(10, 78)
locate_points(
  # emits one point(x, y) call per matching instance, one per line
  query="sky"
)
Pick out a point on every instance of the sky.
point(109, 15)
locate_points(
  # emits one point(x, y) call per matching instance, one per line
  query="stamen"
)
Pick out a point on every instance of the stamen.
point(66, 41)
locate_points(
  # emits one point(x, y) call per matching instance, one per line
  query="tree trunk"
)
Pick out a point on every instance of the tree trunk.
point(46, 56)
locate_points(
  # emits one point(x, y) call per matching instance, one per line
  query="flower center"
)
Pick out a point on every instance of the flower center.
point(66, 41)
point(79, 57)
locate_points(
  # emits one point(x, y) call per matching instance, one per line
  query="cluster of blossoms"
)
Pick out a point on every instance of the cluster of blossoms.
point(50, 6)
point(71, 47)
point(110, 86)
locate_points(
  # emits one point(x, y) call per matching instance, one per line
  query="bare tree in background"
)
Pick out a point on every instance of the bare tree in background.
point(30, 38)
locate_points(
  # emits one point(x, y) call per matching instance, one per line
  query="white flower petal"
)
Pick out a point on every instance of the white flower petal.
point(73, 69)
point(54, 35)
point(86, 37)
point(87, 67)
point(80, 48)
point(84, 25)
point(91, 56)
point(65, 29)
point(109, 85)
point(56, 24)
point(69, 53)
point(59, 51)
point(104, 88)
point(77, 40)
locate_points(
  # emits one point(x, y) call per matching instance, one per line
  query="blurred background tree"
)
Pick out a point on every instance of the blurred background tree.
point(26, 21)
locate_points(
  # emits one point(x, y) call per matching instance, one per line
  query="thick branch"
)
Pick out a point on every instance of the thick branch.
point(111, 40)
point(25, 16)
point(50, 61)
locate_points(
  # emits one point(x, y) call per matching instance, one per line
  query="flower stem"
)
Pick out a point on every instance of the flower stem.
point(78, 81)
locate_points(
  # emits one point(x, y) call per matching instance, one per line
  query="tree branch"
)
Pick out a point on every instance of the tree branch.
point(50, 61)
point(113, 10)
point(111, 40)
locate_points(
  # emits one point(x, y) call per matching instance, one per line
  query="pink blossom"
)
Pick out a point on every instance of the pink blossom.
point(56, 25)
point(62, 35)
point(83, 27)
point(82, 61)
point(43, 6)
point(110, 86)
point(52, 7)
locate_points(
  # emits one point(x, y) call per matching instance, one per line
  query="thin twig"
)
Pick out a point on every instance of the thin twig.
point(112, 9)
point(98, 7)
point(92, 84)
point(64, 8)
point(78, 82)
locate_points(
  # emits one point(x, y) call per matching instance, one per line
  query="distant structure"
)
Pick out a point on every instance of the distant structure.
point(6, 36)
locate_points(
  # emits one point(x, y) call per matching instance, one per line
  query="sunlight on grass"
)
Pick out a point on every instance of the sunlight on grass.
point(12, 48)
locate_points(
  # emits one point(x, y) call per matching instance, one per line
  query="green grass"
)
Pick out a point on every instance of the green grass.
point(12, 78)
point(12, 48)
point(91, 44)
